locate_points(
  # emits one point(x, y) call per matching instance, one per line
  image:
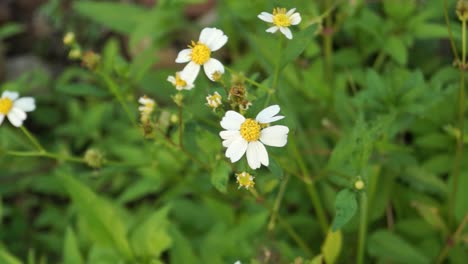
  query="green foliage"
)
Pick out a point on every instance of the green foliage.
point(369, 92)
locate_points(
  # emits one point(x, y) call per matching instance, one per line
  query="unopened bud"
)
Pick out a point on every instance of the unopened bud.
point(178, 99)
point(69, 38)
point(462, 10)
point(91, 60)
point(359, 185)
point(94, 158)
point(74, 54)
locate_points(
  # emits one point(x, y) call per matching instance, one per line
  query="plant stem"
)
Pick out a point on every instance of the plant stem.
point(328, 49)
point(33, 140)
point(454, 238)
point(287, 227)
point(460, 138)
point(362, 229)
point(276, 72)
point(449, 29)
point(45, 154)
point(181, 127)
point(276, 205)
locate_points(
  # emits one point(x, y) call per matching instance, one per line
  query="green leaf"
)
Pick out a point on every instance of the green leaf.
point(71, 251)
point(220, 176)
point(346, 207)
point(430, 31)
point(396, 49)
point(151, 237)
point(10, 29)
point(391, 247)
point(81, 89)
point(331, 248)
point(297, 45)
point(100, 216)
point(120, 17)
point(7, 258)
point(461, 204)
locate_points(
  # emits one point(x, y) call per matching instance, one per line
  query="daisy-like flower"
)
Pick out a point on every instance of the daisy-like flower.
point(15, 108)
point(281, 20)
point(199, 54)
point(179, 82)
point(214, 101)
point(146, 108)
point(244, 179)
point(246, 135)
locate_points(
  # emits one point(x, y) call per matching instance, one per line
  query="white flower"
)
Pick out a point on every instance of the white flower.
point(248, 135)
point(281, 20)
point(199, 54)
point(15, 109)
point(179, 82)
point(146, 108)
point(214, 101)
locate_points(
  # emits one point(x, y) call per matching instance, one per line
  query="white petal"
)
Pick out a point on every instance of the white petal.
point(295, 19)
point(189, 86)
point(212, 66)
point(232, 120)
point(190, 72)
point(267, 17)
point(275, 136)
point(256, 155)
point(171, 79)
point(272, 29)
point(291, 11)
point(16, 117)
point(217, 43)
point(26, 104)
point(213, 38)
point(286, 31)
point(11, 95)
point(2, 117)
point(237, 149)
point(184, 56)
point(228, 134)
point(228, 141)
point(266, 114)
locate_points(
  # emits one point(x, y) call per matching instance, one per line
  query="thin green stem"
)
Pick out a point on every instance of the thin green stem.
point(33, 139)
point(276, 72)
point(276, 205)
point(45, 154)
point(460, 138)
point(328, 48)
point(449, 29)
point(362, 228)
point(453, 241)
point(287, 227)
point(181, 127)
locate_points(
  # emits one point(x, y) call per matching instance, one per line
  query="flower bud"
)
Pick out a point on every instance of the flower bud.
point(462, 10)
point(94, 158)
point(69, 39)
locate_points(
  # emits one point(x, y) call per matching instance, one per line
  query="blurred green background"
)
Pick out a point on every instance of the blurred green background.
point(370, 91)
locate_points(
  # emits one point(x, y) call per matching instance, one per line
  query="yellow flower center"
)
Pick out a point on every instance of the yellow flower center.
point(245, 180)
point(280, 18)
point(179, 82)
point(250, 130)
point(200, 53)
point(5, 105)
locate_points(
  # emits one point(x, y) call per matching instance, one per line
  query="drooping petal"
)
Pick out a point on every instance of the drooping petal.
point(27, 104)
point(275, 136)
point(287, 32)
point(2, 117)
point(190, 72)
point(236, 150)
point(184, 56)
point(257, 155)
point(295, 19)
point(267, 113)
point(11, 95)
point(16, 117)
point(267, 17)
point(291, 11)
point(252, 156)
point(212, 66)
point(272, 29)
point(232, 120)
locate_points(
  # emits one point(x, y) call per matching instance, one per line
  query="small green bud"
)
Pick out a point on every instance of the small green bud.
point(69, 39)
point(462, 10)
point(94, 158)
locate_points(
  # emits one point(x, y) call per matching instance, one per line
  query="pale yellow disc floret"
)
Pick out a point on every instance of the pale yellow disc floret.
point(200, 53)
point(179, 82)
point(245, 180)
point(5, 105)
point(280, 19)
point(250, 130)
